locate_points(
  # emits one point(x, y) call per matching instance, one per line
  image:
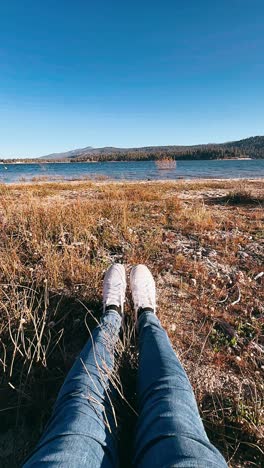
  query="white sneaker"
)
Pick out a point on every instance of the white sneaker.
point(114, 287)
point(143, 289)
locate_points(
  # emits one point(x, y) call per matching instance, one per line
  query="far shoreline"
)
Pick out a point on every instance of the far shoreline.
point(122, 160)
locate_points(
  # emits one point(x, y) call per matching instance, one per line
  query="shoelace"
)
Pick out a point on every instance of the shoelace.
point(115, 291)
point(147, 295)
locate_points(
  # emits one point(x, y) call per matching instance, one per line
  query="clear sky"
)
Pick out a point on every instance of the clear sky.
point(129, 73)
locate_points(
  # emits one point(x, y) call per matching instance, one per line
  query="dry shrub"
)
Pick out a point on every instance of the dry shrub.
point(243, 194)
point(242, 197)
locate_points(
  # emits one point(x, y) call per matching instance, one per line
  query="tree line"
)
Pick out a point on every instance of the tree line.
point(248, 148)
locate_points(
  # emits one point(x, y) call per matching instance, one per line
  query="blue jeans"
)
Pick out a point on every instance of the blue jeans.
point(82, 431)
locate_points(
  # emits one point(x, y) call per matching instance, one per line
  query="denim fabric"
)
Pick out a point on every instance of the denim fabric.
point(82, 432)
point(170, 432)
point(78, 432)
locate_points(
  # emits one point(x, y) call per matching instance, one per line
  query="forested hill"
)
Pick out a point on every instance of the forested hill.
point(253, 146)
point(248, 148)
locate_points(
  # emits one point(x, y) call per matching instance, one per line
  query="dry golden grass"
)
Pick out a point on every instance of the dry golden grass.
point(57, 240)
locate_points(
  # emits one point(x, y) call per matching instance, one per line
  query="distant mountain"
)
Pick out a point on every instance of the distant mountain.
point(252, 147)
point(89, 150)
point(67, 154)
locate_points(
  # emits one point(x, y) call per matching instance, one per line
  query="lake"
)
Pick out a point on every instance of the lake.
point(133, 170)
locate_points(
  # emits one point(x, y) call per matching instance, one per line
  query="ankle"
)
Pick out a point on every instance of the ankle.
point(113, 307)
point(141, 310)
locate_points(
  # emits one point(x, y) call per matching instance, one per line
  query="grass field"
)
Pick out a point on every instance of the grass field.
point(204, 243)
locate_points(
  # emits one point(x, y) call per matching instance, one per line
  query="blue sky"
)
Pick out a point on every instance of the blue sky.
point(123, 73)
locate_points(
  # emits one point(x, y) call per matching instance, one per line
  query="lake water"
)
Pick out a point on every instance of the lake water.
point(133, 170)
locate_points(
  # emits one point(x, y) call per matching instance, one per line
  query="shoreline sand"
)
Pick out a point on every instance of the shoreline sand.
point(131, 182)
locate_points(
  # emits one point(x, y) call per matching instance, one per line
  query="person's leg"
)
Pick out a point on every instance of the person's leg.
point(82, 429)
point(170, 432)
